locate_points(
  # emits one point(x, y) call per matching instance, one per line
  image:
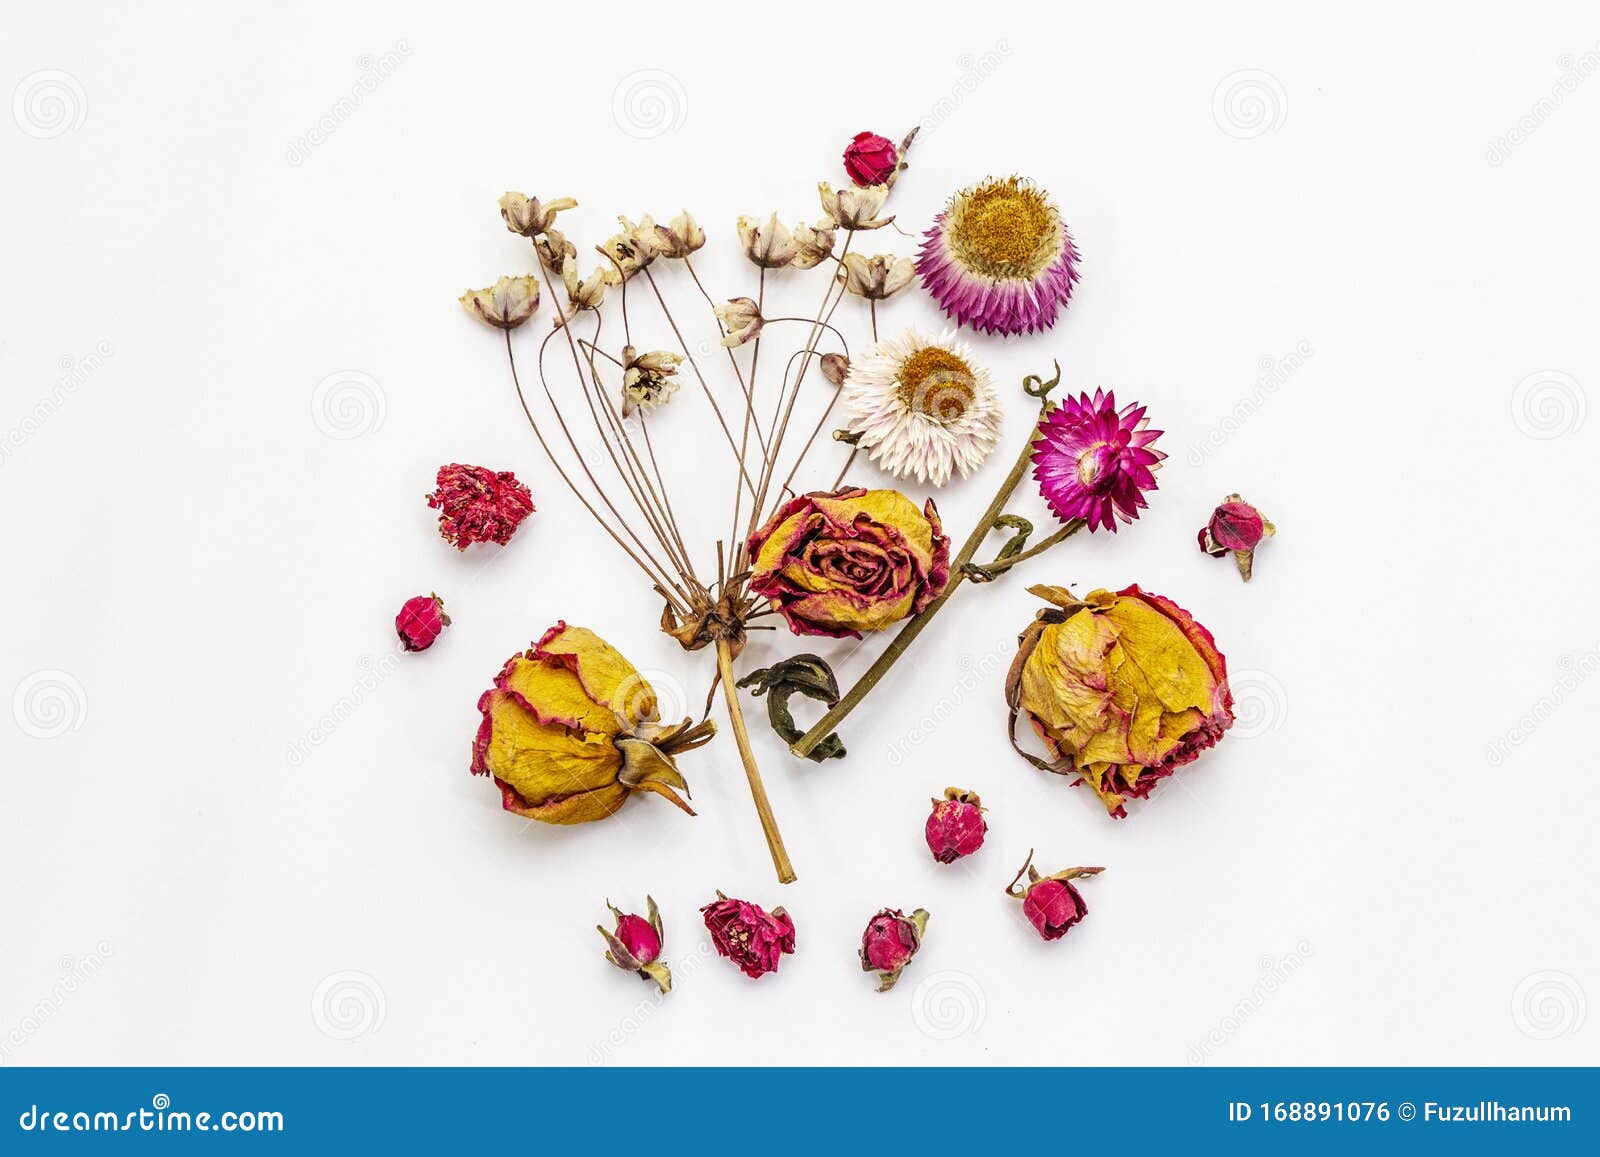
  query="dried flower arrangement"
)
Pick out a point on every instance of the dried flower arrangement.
point(570, 729)
point(778, 541)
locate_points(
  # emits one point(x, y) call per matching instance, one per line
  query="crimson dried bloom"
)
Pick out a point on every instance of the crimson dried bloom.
point(1051, 903)
point(476, 504)
point(870, 159)
point(635, 945)
point(956, 827)
point(748, 935)
point(851, 560)
point(420, 621)
point(890, 941)
point(1236, 527)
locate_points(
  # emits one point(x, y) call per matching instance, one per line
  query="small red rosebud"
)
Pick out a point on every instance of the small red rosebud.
point(748, 935)
point(956, 827)
point(870, 159)
point(1236, 527)
point(636, 944)
point(1051, 903)
point(420, 621)
point(890, 941)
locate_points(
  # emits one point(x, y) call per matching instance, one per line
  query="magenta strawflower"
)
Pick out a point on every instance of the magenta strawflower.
point(999, 258)
point(1095, 462)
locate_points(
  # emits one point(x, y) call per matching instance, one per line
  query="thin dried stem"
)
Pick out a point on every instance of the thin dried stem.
point(651, 568)
point(695, 366)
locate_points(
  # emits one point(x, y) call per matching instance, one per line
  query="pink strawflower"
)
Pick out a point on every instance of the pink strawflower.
point(1095, 462)
point(999, 258)
point(476, 504)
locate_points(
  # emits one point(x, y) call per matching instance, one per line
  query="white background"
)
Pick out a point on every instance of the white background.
point(1348, 262)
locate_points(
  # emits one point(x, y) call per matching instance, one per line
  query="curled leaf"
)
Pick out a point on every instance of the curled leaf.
point(808, 675)
point(1037, 387)
point(989, 571)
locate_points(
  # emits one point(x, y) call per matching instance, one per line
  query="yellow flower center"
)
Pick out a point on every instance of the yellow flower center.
point(936, 383)
point(1004, 229)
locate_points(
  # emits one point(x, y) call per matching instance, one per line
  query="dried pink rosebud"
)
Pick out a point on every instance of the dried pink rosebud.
point(476, 504)
point(420, 621)
point(1236, 527)
point(890, 941)
point(748, 935)
point(956, 827)
point(1051, 903)
point(635, 944)
point(870, 159)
